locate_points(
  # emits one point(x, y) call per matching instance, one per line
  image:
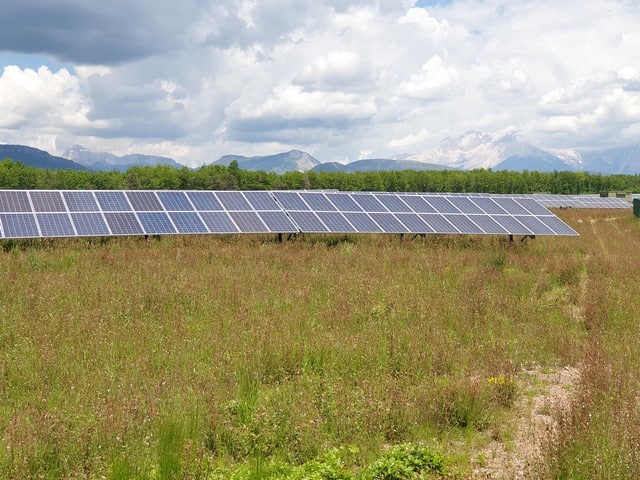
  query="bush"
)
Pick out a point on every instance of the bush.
point(403, 462)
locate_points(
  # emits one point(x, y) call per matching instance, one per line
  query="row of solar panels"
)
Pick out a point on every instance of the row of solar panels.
point(580, 201)
point(66, 213)
point(557, 201)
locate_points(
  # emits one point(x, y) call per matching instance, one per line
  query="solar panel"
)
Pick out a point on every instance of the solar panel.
point(188, 222)
point(143, 201)
point(317, 202)
point(438, 223)
point(112, 201)
point(510, 206)
point(80, 201)
point(463, 224)
point(123, 223)
point(414, 223)
point(557, 225)
point(368, 202)
point(219, 222)
point(417, 204)
point(309, 222)
point(465, 205)
point(49, 213)
point(389, 222)
point(532, 206)
point(175, 201)
point(362, 222)
point(89, 224)
point(512, 225)
point(335, 222)
point(156, 223)
point(248, 222)
point(19, 225)
point(55, 225)
point(488, 224)
point(205, 201)
point(47, 201)
point(489, 206)
point(14, 201)
point(291, 200)
point(277, 222)
point(233, 201)
point(262, 201)
point(533, 224)
point(393, 203)
point(343, 202)
point(441, 204)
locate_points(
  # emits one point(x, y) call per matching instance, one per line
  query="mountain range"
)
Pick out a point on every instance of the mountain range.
point(497, 151)
point(291, 161)
point(33, 157)
point(109, 161)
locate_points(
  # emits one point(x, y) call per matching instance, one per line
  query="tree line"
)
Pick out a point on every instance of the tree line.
point(14, 175)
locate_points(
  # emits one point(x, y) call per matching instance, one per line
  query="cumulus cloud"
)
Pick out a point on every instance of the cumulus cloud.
point(421, 18)
point(335, 70)
point(435, 81)
point(593, 108)
point(291, 108)
point(41, 99)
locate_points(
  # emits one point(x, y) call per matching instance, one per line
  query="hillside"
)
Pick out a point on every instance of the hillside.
point(34, 157)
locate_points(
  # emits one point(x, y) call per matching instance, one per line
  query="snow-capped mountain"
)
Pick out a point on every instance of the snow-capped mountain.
point(109, 161)
point(294, 160)
point(507, 151)
point(498, 151)
point(377, 165)
point(611, 160)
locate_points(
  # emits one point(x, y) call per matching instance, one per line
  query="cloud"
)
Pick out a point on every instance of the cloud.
point(196, 80)
point(335, 70)
point(86, 32)
point(593, 108)
point(435, 81)
point(410, 141)
point(423, 20)
point(41, 99)
point(290, 108)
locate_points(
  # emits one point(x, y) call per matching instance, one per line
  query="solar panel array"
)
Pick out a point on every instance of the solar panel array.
point(70, 213)
point(39, 213)
point(580, 201)
point(556, 200)
point(418, 213)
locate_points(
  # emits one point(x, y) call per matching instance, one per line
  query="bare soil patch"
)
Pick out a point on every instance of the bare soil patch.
point(545, 399)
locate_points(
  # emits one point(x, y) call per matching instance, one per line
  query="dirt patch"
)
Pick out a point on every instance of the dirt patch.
point(546, 397)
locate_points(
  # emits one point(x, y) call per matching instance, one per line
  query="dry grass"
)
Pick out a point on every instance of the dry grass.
point(156, 359)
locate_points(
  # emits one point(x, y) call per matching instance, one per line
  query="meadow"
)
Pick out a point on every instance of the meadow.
point(332, 357)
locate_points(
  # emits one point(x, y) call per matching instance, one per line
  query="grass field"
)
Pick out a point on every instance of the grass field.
point(238, 357)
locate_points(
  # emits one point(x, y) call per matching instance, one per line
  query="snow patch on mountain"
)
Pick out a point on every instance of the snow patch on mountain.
point(109, 161)
point(482, 150)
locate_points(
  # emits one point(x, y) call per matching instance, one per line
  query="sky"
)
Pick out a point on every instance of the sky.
point(339, 79)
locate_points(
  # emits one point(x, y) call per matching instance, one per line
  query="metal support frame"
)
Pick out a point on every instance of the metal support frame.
point(522, 240)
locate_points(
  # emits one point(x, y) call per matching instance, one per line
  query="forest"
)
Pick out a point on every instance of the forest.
point(14, 175)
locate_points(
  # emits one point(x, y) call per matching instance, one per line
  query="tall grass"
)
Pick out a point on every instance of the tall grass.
point(601, 439)
point(173, 358)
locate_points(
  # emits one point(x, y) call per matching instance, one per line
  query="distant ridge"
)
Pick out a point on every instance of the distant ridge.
point(34, 157)
point(108, 161)
point(291, 161)
point(473, 150)
point(378, 164)
point(507, 151)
